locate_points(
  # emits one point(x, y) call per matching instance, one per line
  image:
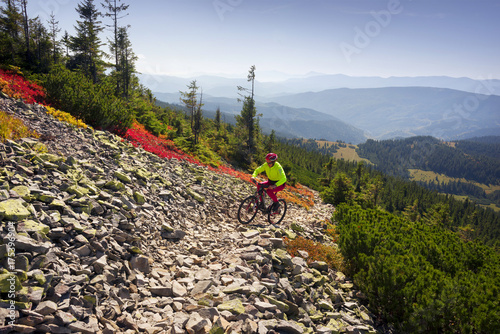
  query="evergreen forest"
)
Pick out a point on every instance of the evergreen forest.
point(427, 262)
point(470, 162)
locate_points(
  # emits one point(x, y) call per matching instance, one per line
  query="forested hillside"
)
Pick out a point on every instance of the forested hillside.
point(468, 163)
point(345, 181)
point(466, 160)
point(487, 146)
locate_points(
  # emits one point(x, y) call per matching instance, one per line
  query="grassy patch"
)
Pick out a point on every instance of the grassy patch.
point(12, 128)
point(345, 151)
point(425, 176)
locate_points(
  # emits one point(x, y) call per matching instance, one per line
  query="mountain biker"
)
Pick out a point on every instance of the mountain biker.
point(275, 175)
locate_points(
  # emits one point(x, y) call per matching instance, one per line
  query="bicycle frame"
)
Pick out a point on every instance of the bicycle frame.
point(257, 202)
point(261, 197)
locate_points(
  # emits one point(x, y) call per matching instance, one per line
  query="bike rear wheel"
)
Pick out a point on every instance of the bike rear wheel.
point(275, 217)
point(248, 209)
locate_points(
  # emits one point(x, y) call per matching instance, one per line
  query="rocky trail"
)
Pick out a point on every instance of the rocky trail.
point(98, 236)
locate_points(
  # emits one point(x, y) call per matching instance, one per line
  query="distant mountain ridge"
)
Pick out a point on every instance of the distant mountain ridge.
point(393, 112)
point(286, 121)
point(359, 113)
point(315, 82)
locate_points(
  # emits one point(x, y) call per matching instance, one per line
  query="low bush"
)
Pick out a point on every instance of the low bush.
point(419, 275)
point(316, 252)
point(13, 128)
point(13, 83)
point(94, 104)
point(66, 117)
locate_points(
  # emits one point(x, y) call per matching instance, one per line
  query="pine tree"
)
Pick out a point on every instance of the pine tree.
point(114, 10)
point(339, 191)
point(217, 119)
point(198, 116)
point(42, 45)
point(126, 63)
point(26, 29)
point(271, 142)
point(66, 40)
point(86, 44)
point(328, 172)
point(194, 108)
point(247, 121)
point(54, 29)
point(10, 31)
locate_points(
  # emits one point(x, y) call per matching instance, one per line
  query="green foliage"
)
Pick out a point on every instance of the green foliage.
point(95, 104)
point(339, 191)
point(86, 44)
point(421, 277)
point(247, 127)
point(398, 195)
point(201, 151)
point(192, 104)
point(468, 160)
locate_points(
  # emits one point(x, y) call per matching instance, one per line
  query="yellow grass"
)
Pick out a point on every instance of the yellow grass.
point(347, 153)
point(420, 175)
point(13, 128)
point(424, 176)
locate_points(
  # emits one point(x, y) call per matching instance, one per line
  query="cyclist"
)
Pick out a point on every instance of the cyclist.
point(275, 175)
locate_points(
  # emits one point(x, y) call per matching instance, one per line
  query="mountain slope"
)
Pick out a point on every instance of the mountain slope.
point(101, 236)
point(428, 153)
point(457, 168)
point(405, 112)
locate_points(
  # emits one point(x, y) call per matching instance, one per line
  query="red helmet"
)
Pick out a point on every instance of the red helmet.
point(271, 157)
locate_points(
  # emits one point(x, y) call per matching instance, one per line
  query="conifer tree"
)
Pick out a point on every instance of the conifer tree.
point(190, 100)
point(217, 119)
point(54, 29)
point(197, 120)
point(66, 41)
point(126, 63)
point(328, 172)
point(10, 31)
point(42, 45)
point(271, 142)
point(120, 39)
point(86, 44)
point(26, 29)
point(247, 121)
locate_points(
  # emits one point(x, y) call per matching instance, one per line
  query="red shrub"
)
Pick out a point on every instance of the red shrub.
point(16, 86)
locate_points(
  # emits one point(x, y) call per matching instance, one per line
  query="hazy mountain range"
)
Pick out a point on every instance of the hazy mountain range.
point(352, 109)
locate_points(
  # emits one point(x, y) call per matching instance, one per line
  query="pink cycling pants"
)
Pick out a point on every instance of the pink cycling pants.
point(272, 192)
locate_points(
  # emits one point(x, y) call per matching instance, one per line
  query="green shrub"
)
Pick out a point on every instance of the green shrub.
point(95, 104)
point(418, 275)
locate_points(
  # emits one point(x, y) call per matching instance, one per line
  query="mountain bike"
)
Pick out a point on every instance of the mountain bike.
point(257, 202)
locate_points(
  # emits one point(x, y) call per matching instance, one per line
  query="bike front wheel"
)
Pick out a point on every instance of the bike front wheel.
point(248, 209)
point(276, 216)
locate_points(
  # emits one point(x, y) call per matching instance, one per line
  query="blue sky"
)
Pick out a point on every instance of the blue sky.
point(457, 38)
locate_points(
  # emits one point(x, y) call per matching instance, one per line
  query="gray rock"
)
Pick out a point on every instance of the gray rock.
point(140, 263)
point(46, 307)
point(164, 291)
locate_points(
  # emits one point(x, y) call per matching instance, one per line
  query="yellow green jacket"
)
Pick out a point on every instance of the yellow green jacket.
point(275, 173)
